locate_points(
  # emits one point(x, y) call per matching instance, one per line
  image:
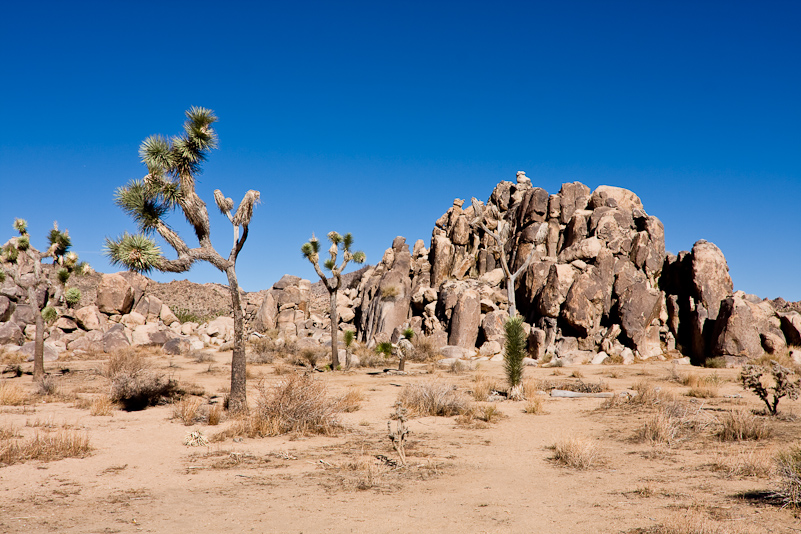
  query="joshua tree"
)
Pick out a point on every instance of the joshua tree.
point(172, 167)
point(501, 234)
point(20, 260)
point(311, 252)
point(405, 348)
point(514, 351)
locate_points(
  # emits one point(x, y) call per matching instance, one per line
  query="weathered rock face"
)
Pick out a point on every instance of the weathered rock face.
point(465, 320)
point(736, 330)
point(11, 334)
point(114, 295)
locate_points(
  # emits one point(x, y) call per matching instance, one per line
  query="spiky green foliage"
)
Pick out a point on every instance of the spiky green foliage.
point(23, 243)
point(330, 264)
point(181, 155)
point(136, 252)
point(21, 226)
point(348, 337)
point(310, 249)
point(2, 276)
point(10, 253)
point(359, 257)
point(63, 275)
point(81, 268)
point(142, 204)
point(384, 348)
point(72, 296)
point(49, 314)
point(514, 350)
point(408, 333)
point(60, 239)
point(71, 260)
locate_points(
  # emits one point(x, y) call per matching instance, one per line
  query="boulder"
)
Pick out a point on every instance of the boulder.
point(24, 314)
point(465, 320)
point(791, 327)
point(267, 314)
point(176, 346)
point(150, 334)
point(66, 324)
point(50, 351)
point(166, 315)
point(115, 339)
point(615, 197)
point(492, 326)
point(710, 276)
point(90, 318)
point(736, 332)
point(7, 307)
point(11, 334)
point(223, 327)
point(560, 279)
point(114, 295)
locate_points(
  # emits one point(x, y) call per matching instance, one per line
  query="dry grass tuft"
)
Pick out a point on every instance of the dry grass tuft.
point(788, 468)
point(434, 398)
point(47, 386)
point(742, 426)
point(424, 349)
point(757, 463)
point(102, 405)
point(187, 410)
point(534, 406)
point(45, 447)
point(703, 391)
point(688, 523)
point(483, 386)
point(672, 422)
point(215, 415)
point(12, 395)
point(576, 453)
point(351, 400)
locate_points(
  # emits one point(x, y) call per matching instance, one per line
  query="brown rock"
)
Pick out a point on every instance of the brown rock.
point(711, 278)
point(736, 333)
point(114, 295)
point(11, 334)
point(90, 318)
point(465, 320)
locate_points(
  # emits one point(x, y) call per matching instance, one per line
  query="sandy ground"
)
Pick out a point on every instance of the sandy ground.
point(496, 477)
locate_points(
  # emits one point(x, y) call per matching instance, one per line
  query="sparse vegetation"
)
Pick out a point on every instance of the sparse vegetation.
point(12, 395)
point(740, 425)
point(187, 410)
point(788, 469)
point(514, 350)
point(43, 447)
point(434, 398)
point(135, 384)
point(771, 384)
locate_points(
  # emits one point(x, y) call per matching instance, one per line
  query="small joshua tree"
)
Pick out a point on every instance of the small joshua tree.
point(172, 167)
point(785, 383)
point(501, 234)
point(311, 251)
point(514, 352)
point(18, 259)
point(405, 348)
point(348, 338)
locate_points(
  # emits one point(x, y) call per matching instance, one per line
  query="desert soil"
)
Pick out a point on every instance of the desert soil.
point(478, 477)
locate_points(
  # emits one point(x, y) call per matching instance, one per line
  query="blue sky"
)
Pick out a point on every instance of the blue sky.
point(371, 117)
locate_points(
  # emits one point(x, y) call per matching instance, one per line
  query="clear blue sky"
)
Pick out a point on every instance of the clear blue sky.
point(371, 117)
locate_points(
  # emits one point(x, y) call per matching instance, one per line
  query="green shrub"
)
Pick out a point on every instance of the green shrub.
point(514, 350)
point(72, 296)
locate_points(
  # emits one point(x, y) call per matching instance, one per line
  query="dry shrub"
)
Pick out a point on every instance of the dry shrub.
point(530, 388)
point(740, 425)
point(134, 383)
point(576, 374)
point(483, 386)
point(351, 400)
point(12, 395)
point(203, 357)
point(47, 386)
point(299, 403)
point(368, 357)
point(650, 395)
point(424, 349)
point(577, 453)
point(458, 367)
point(215, 414)
point(488, 413)
point(8, 432)
point(187, 410)
point(686, 523)
point(12, 358)
point(751, 463)
point(45, 447)
point(788, 468)
point(102, 405)
point(534, 406)
point(434, 398)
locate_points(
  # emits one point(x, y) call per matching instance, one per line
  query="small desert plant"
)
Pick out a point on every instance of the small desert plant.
point(390, 292)
point(433, 398)
point(12, 395)
point(487, 413)
point(384, 348)
point(101, 406)
point(348, 337)
point(782, 382)
point(49, 314)
point(424, 349)
point(514, 350)
point(672, 421)
point(72, 296)
point(203, 357)
point(718, 362)
point(400, 434)
point(186, 410)
point(742, 426)
point(703, 391)
point(751, 463)
point(577, 453)
point(788, 468)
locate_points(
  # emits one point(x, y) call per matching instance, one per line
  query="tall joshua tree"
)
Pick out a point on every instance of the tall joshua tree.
point(501, 234)
point(311, 252)
point(172, 167)
point(23, 264)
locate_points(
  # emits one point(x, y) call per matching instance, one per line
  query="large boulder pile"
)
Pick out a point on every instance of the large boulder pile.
point(599, 282)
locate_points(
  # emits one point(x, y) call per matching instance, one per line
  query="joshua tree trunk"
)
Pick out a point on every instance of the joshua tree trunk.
point(38, 347)
point(334, 330)
point(237, 402)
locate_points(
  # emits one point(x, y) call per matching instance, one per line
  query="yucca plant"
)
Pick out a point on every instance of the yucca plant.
point(514, 350)
point(405, 348)
point(311, 251)
point(72, 296)
point(348, 337)
point(172, 168)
